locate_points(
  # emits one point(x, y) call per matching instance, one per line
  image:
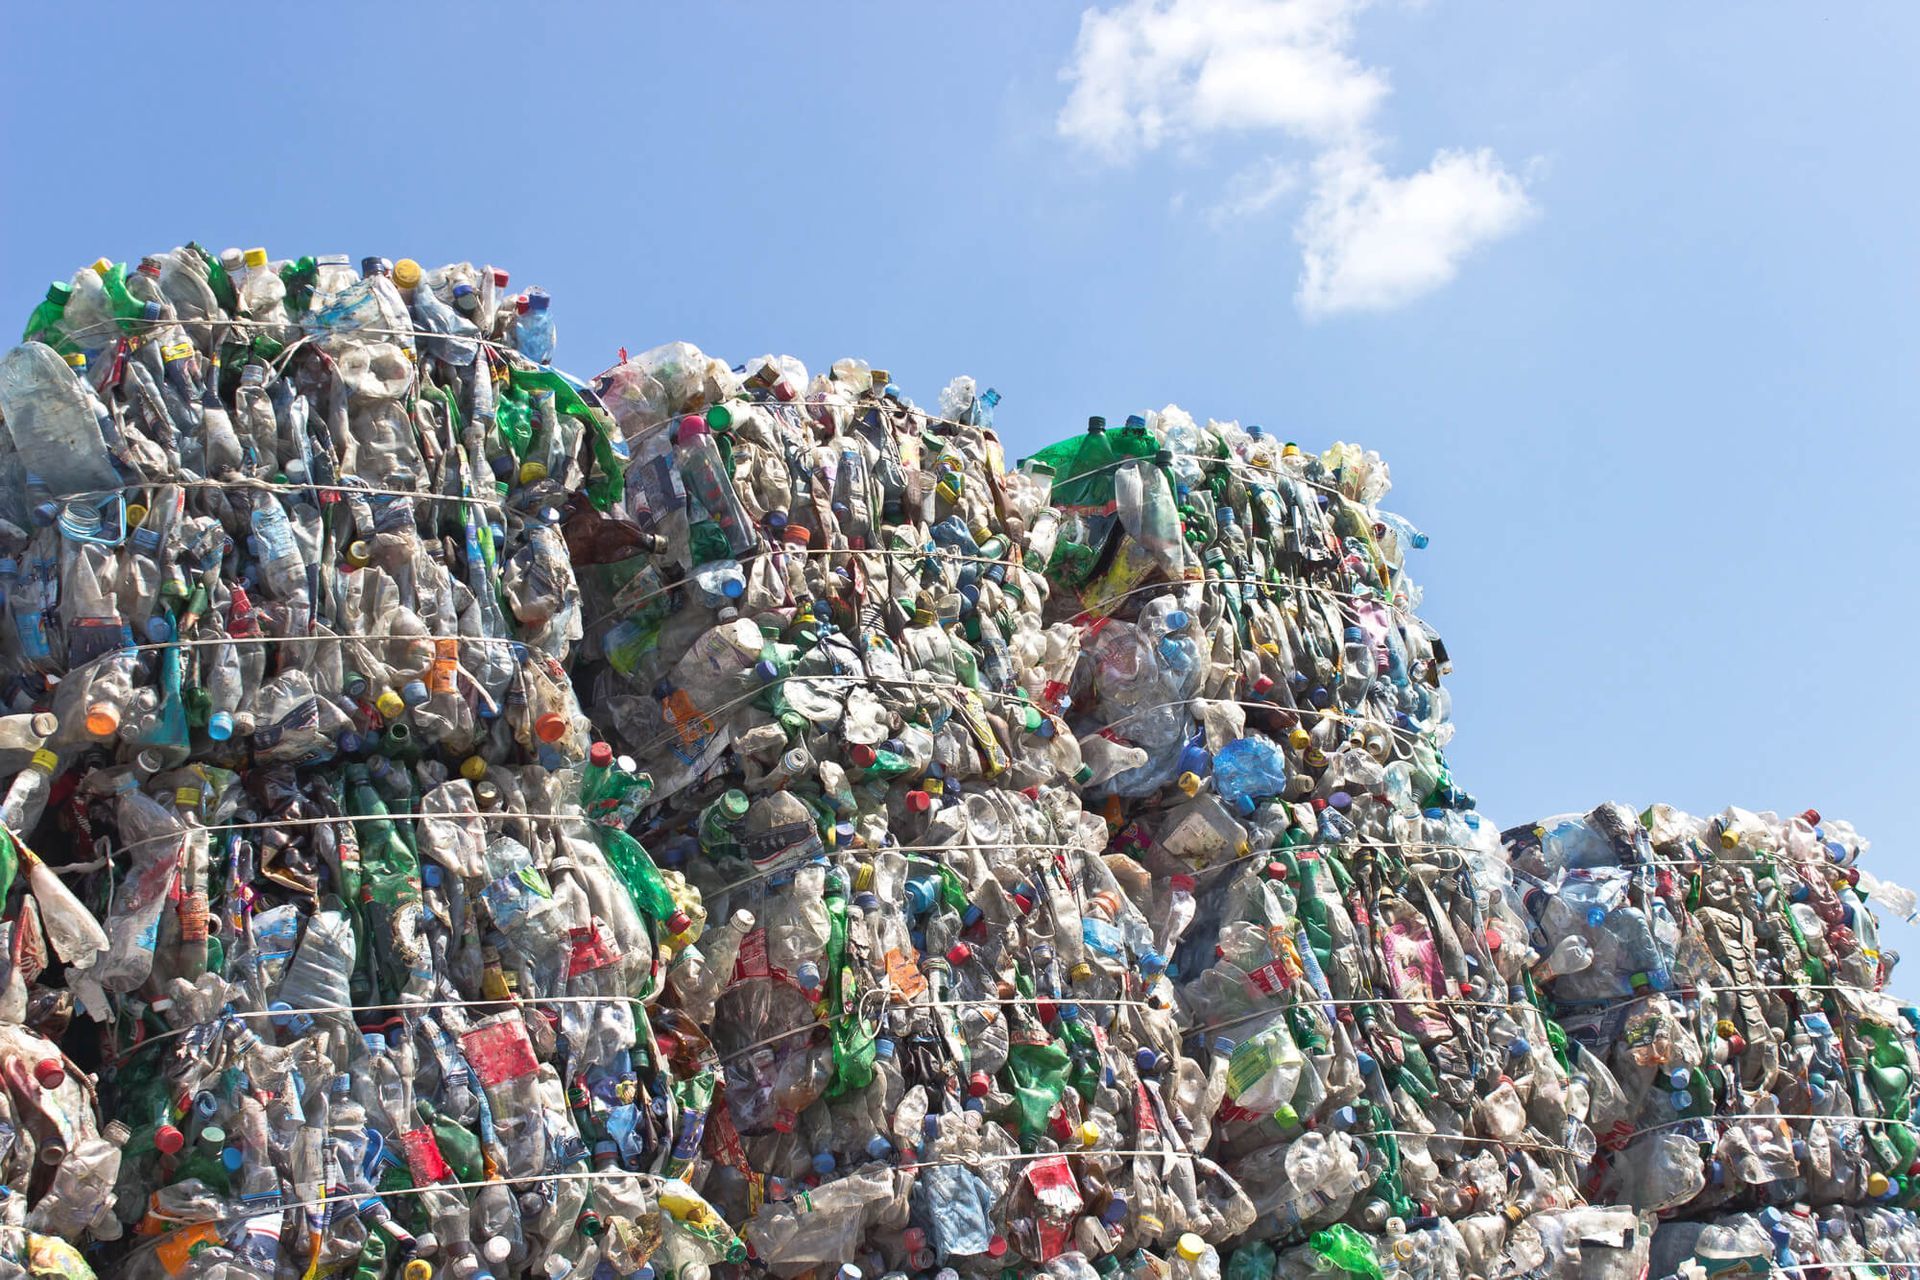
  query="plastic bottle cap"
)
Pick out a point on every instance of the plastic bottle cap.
point(1089, 1134)
point(417, 1269)
point(390, 704)
point(550, 727)
point(997, 1247)
point(168, 1140)
point(220, 726)
point(406, 273)
point(978, 1084)
point(50, 1072)
point(103, 720)
point(498, 1249)
point(414, 692)
point(959, 953)
point(256, 257)
point(1191, 1247)
point(679, 922)
point(532, 472)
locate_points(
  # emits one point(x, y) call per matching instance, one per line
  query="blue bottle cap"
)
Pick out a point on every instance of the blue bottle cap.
point(884, 1048)
point(1177, 620)
point(1345, 1118)
point(1116, 1211)
point(430, 874)
point(414, 692)
point(1677, 1079)
point(971, 916)
point(823, 1162)
point(1596, 915)
point(232, 1158)
point(1520, 1048)
point(930, 1126)
point(207, 1102)
point(1146, 1059)
point(1367, 1065)
point(220, 727)
point(1354, 634)
point(879, 1148)
point(1152, 962)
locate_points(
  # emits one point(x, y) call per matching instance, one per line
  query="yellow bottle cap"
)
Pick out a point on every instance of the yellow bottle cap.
point(136, 515)
point(45, 760)
point(186, 797)
point(1728, 840)
point(390, 704)
point(78, 359)
point(863, 877)
point(1299, 739)
point(473, 768)
point(1080, 972)
point(103, 719)
point(102, 265)
point(406, 273)
point(1190, 783)
point(1877, 1184)
point(358, 553)
point(256, 257)
point(1191, 1247)
point(1089, 1134)
point(417, 1269)
point(532, 472)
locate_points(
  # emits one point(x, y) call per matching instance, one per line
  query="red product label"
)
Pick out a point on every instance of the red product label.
point(1057, 1197)
point(500, 1052)
point(590, 951)
point(1268, 980)
point(751, 962)
point(424, 1160)
point(1144, 1120)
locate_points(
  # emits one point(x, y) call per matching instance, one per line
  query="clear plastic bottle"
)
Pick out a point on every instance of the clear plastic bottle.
point(55, 421)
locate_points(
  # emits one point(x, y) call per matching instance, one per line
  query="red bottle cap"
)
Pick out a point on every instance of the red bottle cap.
point(862, 754)
point(600, 755)
point(997, 1247)
point(919, 801)
point(959, 953)
point(168, 1139)
point(679, 922)
point(550, 727)
point(50, 1072)
point(978, 1084)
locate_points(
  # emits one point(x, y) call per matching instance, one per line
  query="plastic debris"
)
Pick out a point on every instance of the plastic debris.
point(947, 868)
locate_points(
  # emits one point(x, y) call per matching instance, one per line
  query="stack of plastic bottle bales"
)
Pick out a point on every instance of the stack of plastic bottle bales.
point(1722, 980)
point(286, 583)
point(950, 867)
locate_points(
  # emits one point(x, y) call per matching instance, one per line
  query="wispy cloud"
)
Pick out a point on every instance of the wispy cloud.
point(1255, 189)
point(1154, 73)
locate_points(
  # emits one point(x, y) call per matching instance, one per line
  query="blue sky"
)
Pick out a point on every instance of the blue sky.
point(1629, 296)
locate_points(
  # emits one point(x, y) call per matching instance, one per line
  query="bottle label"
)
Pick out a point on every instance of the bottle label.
point(173, 351)
point(500, 1052)
point(904, 976)
point(424, 1160)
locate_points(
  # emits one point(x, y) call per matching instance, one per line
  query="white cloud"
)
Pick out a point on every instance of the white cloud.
point(1255, 189)
point(1371, 242)
point(1153, 73)
point(1147, 73)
